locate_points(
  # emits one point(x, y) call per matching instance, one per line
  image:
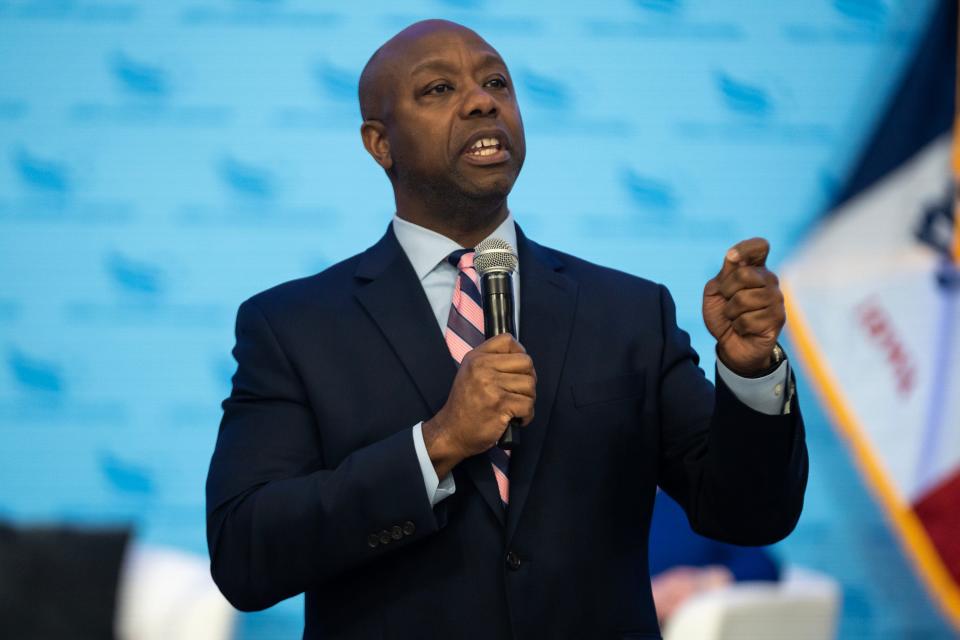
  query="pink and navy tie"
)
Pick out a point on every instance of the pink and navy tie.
point(464, 333)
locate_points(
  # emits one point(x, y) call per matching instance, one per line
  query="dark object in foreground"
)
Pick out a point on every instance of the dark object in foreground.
point(58, 582)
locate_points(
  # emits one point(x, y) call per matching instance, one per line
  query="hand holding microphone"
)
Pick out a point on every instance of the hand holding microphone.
point(495, 261)
point(495, 387)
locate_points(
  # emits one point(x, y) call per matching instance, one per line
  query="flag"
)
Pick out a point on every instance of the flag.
point(873, 306)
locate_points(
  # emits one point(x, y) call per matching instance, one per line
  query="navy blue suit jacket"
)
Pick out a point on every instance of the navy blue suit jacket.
point(315, 487)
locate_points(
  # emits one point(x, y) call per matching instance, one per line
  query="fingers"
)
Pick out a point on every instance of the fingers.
point(513, 393)
point(517, 406)
point(758, 323)
point(502, 362)
point(753, 299)
point(524, 385)
point(746, 277)
point(495, 383)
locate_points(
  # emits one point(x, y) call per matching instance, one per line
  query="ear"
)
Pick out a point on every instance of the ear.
point(374, 135)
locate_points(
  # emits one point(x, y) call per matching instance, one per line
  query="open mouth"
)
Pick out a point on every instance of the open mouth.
point(484, 147)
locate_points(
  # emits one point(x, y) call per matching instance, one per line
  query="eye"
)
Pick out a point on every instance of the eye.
point(497, 83)
point(438, 89)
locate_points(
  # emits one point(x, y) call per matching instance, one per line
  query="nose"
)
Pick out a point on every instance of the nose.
point(478, 103)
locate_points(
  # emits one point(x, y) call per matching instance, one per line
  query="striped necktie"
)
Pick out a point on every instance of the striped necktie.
point(465, 332)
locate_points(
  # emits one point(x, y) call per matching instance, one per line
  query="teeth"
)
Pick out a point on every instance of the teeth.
point(485, 142)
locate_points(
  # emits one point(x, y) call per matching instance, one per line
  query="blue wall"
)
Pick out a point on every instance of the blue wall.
point(162, 161)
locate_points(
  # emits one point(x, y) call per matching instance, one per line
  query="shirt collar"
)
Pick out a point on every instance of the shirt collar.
point(426, 249)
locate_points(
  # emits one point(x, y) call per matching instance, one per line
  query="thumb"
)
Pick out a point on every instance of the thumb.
point(753, 252)
point(731, 261)
point(503, 343)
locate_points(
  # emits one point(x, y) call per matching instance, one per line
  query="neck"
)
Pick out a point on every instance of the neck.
point(466, 223)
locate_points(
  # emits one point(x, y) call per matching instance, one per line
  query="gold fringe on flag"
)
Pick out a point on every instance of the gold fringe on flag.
point(956, 158)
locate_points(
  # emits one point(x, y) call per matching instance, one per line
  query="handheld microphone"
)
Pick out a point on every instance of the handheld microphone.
point(495, 261)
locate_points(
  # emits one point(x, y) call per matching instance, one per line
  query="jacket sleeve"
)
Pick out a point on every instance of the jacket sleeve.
point(740, 475)
point(278, 522)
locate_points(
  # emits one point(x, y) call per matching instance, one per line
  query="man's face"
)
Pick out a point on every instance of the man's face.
point(454, 122)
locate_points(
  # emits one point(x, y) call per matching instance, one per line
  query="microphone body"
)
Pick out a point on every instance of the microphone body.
point(496, 290)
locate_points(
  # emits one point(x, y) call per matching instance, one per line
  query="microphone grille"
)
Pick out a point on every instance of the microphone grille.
point(495, 254)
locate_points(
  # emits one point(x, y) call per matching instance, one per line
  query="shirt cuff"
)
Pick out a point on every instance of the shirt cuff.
point(437, 489)
point(765, 395)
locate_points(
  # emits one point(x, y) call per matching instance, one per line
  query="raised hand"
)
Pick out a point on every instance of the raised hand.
point(743, 308)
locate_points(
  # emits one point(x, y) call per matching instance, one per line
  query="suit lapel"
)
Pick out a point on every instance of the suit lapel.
point(478, 469)
point(547, 306)
point(395, 300)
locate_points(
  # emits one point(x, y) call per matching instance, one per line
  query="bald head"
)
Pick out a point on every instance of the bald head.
point(378, 81)
point(441, 118)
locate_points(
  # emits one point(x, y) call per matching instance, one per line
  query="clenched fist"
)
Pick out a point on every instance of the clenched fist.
point(743, 308)
point(495, 383)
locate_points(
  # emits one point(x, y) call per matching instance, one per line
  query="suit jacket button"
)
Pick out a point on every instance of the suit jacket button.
point(513, 560)
point(396, 532)
point(385, 537)
point(409, 528)
point(373, 540)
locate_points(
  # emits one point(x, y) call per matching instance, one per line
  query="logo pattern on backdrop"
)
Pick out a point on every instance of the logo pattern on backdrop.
point(161, 162)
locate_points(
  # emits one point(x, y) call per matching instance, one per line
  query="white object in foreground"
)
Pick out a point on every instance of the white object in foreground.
point(166, 594)
point(802, 606)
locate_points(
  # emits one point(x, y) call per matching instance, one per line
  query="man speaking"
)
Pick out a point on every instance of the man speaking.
point(357, 459)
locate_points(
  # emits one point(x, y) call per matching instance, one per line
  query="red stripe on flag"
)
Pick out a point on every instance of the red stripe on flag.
point(938, 512)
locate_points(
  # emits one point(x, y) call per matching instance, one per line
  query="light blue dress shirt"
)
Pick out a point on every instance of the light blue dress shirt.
point(427, 251)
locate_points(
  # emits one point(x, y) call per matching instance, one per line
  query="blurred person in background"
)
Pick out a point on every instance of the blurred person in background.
point(684, 563)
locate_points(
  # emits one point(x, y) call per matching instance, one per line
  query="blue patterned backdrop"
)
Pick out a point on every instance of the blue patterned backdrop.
point(162, 161)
